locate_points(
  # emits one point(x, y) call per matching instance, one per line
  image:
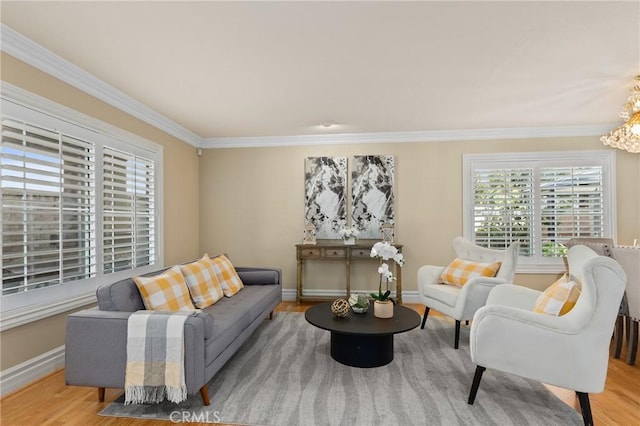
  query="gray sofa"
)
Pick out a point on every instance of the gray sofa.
point(95, 352)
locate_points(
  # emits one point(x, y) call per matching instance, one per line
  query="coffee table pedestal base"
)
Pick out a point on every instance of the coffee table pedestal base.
point(362, 351)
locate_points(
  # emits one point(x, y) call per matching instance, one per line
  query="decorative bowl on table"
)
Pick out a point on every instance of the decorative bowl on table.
point(359, 303)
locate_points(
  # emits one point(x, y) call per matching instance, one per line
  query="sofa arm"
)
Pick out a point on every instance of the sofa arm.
point(96, 349)
point(259, 276)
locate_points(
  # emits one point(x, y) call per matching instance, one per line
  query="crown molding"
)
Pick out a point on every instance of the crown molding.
point(408, 137)
point(26, 50)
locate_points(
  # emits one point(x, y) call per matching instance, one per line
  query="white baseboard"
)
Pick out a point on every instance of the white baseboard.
point(289, 295)
point(30, 371)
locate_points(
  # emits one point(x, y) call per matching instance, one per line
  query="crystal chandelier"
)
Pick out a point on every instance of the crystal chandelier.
point(627, 136)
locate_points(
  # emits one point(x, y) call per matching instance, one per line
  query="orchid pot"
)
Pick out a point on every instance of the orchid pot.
point(383, 309)
point(385, 252)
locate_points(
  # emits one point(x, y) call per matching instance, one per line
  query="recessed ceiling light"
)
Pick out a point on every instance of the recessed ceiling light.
point(328, 124)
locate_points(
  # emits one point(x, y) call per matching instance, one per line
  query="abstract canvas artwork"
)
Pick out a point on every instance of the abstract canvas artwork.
point(372, 194)
point(325, 181)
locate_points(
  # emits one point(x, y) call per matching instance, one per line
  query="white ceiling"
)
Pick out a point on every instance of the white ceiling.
point(256, 69)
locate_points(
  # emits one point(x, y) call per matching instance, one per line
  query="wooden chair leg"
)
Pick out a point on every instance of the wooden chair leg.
point(457, 338)
point(424, 317)
point(618, 336)
point(466, 323)
point(632, 351)
point(585, 407)
point(475, 385)
point(271, 315)
point(204, 393)
point(101, 394)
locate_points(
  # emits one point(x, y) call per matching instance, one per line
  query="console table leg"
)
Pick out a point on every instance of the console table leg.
point(299, 284)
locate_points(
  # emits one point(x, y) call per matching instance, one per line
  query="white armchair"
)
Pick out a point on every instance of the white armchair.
point(458, 302)
point(570, 351)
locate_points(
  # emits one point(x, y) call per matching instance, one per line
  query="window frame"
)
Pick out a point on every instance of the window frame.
point(25, 307)
point(537, 160)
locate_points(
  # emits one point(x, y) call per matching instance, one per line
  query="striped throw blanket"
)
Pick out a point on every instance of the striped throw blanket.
point(155, 357)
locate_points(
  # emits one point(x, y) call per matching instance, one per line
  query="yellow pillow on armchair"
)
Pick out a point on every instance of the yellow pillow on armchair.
point(460, 271)
point(559, 298)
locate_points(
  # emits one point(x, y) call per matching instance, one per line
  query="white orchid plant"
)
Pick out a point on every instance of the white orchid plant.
point(386, 252)
point(348, 232)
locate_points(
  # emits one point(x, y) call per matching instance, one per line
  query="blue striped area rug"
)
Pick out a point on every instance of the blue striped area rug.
point(284, 375)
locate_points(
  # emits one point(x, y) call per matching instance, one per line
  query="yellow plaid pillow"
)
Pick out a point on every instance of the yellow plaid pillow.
point(227, 275)
point(460, 271)
point(165, 292)
point(559, 298)
point(203, 283)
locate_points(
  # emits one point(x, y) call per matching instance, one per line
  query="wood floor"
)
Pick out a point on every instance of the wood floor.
point(50, 402)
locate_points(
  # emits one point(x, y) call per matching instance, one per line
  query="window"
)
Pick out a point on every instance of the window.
point(48, 207)
point(128, 211)
point(540, 199)
point(79, 207)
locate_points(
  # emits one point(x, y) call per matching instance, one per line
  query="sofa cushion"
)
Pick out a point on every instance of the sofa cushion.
point(165, 292)
point(460, 271)
point(202, 281)
point(232, 315)
point(227, 275)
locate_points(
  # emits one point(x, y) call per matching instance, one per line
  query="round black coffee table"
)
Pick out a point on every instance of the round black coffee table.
point(362, 340)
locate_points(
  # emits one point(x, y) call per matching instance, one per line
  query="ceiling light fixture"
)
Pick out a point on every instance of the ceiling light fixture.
point(328, 124)
point(627, 136)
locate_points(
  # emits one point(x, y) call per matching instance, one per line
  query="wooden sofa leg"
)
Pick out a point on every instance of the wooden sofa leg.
point(271, 315)
point(101, 394)
point(204, 393)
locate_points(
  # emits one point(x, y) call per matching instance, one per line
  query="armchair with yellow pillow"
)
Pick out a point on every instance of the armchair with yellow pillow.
point(461, 288)
point(560, 336)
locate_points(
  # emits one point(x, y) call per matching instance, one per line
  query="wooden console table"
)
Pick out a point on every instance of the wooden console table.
point(340, 252)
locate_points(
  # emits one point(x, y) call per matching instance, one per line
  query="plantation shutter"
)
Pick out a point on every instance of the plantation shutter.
point(48, 207)
point(503, 208)
point(572, 205)
point(128, 211)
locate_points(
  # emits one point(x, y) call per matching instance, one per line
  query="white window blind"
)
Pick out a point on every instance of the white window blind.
point(48, 207)
point(541, 200)
point(571, 206)
point(503, 208)
point(128, 211)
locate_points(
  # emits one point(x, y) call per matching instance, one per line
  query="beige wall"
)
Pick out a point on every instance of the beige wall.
point(181, 212)
point(252, 203)
point(249, 202)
